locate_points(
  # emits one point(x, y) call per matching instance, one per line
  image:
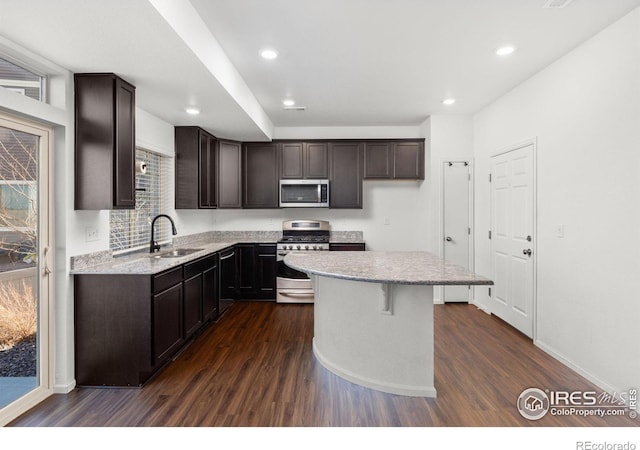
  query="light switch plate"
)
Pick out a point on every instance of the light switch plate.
point(91, 234)
point(560, 230)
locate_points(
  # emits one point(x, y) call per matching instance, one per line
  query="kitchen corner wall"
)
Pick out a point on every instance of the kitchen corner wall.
point(584, 113)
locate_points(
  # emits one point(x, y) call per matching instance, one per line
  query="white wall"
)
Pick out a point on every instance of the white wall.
point(584, 111)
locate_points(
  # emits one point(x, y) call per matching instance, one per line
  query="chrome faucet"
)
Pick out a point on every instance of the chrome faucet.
point(154, 246)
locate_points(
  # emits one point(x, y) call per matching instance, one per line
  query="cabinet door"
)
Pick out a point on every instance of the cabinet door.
point(167, 323)
point(378, 160)
point(104, 142)
point(345, 190)
point(192, 309)
point(291, 160)
point(229, 175)
point(187, 167)
point(246, 270)
point(266, 271)
point(210, 292)
point(260, 175)
point(409, 160)
point(208, 169)
point(316, 160)
point(125, 153)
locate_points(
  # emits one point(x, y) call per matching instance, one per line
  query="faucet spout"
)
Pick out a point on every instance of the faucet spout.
point(154, 246)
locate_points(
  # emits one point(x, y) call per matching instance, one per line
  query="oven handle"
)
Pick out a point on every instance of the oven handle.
point(296, 294)
point(222, 258)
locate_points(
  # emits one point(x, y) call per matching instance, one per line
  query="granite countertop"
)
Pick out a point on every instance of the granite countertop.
point(384, 267)
point(140, 263)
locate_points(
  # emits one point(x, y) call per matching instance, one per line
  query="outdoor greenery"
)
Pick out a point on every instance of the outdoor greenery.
point(18, 312)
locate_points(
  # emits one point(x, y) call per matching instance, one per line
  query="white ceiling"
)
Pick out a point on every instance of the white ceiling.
point(350, 62)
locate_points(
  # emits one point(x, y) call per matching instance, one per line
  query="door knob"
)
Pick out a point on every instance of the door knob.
point(449, 239)
point(526, 252)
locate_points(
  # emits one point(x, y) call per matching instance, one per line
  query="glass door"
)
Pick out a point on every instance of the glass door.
point(24, 265)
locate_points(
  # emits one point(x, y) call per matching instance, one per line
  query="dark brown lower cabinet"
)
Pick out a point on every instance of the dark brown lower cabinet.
point(127, 327)
point(256, 271)
point(167, 326)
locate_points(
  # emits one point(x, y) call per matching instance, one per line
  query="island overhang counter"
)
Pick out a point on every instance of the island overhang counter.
point(373, 315)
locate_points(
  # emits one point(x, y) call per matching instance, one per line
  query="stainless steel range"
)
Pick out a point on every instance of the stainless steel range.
point(294, 286)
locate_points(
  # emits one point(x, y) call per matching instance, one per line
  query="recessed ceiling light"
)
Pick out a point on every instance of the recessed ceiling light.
point(288, 102)
point(448, 101)
point(506, 50)
point(193, 111)
point(268, 53)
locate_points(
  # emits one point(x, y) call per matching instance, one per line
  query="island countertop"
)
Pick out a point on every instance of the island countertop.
point(384, 267)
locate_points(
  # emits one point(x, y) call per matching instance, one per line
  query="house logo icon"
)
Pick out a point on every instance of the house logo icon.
point(533, 404)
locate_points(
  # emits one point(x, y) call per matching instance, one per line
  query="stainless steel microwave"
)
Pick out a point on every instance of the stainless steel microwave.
point(304, 193)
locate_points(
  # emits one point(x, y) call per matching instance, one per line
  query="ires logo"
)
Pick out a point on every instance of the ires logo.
point(534, 403)
point(575, 398)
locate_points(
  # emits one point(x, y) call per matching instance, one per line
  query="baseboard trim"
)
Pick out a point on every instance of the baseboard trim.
point(579, 370)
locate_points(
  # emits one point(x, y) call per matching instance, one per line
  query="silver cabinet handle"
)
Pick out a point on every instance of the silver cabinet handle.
point(297, 294)
point(448, 239)
point(526, 251)
point(222, 258)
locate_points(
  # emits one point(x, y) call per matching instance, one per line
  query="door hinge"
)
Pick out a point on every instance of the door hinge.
point(489, 292)
point(469, 231)
point(489, 234)
point(489, 178)
point(469, 176)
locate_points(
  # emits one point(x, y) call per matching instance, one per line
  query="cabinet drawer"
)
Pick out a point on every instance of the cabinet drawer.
point(347, 247)
point(200, 265)
point(266, 249)
point(167, 279)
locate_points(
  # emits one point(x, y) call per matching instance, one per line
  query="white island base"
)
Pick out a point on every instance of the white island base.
point(376, 335)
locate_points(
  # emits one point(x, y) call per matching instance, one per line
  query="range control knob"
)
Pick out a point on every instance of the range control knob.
point(298, 247)
point(315, 247)
point(306, 247)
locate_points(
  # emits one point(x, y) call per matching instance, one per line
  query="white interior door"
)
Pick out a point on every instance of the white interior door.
point(456, 223)
point(512, 227)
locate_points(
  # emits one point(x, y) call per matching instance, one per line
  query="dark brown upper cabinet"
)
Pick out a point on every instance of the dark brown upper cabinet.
point(260, 175)
point(208, 170)
point(229, 174)
point(304, 160)
point(378, 160)
point(394, 160)
point(345, 176)
point(408, 160)
point(196, 168)
point(105, 148)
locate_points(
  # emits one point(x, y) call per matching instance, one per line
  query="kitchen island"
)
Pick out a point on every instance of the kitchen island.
point(373, 315)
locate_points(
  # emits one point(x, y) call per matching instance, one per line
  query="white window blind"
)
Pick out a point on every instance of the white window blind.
point(131, 229)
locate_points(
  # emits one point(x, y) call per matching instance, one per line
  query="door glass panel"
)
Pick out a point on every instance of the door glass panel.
point(18, 264)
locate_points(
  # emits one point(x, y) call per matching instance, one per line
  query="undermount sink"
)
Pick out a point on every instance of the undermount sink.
point(175, 253)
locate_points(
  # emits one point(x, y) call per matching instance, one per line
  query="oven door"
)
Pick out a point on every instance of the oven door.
point(287, 272)
point(292, 286)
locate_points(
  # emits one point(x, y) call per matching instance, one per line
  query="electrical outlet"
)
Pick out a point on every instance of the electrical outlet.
point(386, 221)
point(560, 230)
point(91, 234)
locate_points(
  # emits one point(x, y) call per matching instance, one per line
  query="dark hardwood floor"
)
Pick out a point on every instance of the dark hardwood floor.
point(255, 367)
